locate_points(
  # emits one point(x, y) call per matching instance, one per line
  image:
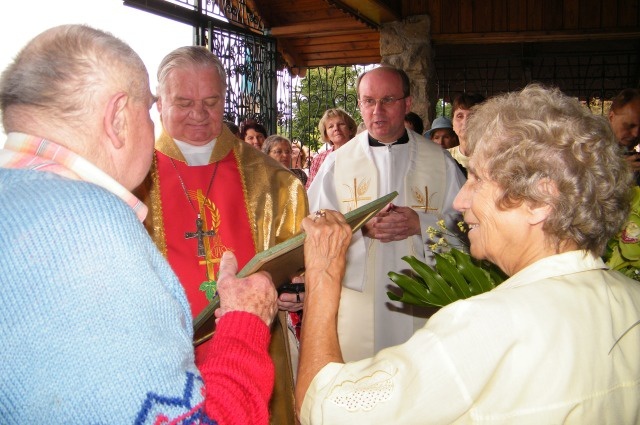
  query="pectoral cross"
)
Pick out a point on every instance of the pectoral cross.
point(199, 234)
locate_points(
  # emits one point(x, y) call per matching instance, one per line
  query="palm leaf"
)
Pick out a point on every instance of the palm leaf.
point(478, 278)
point(453, 277)
point(436, 283)
point(414, 291)
point(496, 275)
point(456, 276)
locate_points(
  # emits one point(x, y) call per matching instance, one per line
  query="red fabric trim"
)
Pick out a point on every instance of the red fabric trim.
point(224, 211)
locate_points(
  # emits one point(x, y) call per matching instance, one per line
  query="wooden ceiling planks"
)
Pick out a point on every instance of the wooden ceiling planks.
point(344, 32)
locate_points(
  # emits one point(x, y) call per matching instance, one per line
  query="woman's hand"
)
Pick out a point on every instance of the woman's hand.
point(325, 250)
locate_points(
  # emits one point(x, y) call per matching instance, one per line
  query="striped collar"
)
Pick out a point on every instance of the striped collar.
point(22, 151)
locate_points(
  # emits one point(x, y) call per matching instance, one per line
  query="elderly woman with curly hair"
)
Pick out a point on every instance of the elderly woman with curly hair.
point(279, 148)
point(336, 128)
point(558, 342)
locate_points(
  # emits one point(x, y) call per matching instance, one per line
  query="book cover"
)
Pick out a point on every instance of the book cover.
point(282, 261)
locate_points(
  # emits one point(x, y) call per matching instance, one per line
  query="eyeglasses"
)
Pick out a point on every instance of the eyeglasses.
point(370, 103)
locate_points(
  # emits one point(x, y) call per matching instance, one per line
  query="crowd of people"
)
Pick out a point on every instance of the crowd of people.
point(109, 236)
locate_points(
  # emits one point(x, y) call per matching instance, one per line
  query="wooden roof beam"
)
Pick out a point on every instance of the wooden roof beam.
point(319, 28)
point(360, 60)
point(529, 37)
point(372, 12)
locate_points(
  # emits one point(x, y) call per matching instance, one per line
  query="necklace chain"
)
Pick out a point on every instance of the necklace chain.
point(184, 187)
point(199, 233)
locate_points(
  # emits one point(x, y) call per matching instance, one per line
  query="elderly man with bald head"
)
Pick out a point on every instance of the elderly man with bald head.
point(94, 325)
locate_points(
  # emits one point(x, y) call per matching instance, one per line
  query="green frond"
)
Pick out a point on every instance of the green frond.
point(455, 276)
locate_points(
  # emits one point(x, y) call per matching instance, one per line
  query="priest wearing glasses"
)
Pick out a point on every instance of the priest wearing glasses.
point(385, 158)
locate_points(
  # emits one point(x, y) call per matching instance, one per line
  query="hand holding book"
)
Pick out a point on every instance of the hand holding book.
point(282, 261)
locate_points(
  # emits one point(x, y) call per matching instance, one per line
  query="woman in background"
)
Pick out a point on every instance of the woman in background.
point(279, 148)
point(253, 133)
point(336, 128)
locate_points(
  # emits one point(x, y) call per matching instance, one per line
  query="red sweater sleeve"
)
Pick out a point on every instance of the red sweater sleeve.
point(238, 372)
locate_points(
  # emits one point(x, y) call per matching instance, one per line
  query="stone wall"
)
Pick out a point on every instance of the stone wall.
point(407, 45)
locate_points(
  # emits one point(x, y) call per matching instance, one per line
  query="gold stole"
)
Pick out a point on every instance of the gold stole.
point(356, 177)
point(356, 183)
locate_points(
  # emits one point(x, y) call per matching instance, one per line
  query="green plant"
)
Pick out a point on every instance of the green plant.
point(623, 251)
point(455, 276)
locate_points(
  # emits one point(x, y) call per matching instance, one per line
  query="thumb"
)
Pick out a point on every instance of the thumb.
point(228, 266)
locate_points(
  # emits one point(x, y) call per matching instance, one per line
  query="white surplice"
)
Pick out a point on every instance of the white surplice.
point(426, 179)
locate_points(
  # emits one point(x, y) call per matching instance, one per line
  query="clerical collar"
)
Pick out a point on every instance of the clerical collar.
point(196, 154)
point(401, 141)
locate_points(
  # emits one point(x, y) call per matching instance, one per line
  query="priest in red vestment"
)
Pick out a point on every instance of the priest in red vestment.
point(209, 192)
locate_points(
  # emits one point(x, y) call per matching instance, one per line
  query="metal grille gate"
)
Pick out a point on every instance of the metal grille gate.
point(248, 56)
point(258, 87)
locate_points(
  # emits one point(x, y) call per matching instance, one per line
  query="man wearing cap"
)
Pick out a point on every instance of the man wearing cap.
point(442, 133)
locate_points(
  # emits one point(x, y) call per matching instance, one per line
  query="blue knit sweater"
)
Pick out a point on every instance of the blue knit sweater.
point(94, 325)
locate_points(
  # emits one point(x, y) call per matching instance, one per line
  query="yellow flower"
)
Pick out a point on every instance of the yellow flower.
point(431, 232)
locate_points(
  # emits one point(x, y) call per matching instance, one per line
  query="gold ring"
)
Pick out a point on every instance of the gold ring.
point(321, 213)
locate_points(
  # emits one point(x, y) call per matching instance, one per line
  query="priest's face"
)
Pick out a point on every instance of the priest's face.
point(383, 105)
point(191, 104)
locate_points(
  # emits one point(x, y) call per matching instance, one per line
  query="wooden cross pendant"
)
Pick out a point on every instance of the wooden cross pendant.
point(199, 234)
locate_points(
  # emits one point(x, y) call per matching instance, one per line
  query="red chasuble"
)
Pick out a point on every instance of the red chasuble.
point(253, 204)
point(222, 211)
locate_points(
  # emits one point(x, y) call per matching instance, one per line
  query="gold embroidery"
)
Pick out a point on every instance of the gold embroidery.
point(423, 201)
point(357, 192)
point(212, 251)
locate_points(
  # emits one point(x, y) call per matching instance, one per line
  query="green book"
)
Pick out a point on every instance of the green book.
point(282, 261)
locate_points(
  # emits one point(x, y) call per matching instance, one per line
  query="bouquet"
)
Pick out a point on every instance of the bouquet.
point(456, 275)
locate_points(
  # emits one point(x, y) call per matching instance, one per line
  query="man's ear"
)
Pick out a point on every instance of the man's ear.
point(407, 103)
point(115, 119)
point(159, 104)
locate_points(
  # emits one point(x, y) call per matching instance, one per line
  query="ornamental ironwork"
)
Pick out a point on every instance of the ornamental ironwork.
point(250, 61)
point(258, 86)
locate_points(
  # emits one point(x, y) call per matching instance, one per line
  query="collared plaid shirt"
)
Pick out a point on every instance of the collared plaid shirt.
point(315, 165)
point(34, 153)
